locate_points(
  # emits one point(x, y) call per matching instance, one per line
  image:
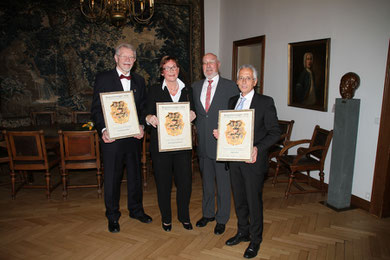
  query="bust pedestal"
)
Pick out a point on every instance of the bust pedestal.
point(345, 130)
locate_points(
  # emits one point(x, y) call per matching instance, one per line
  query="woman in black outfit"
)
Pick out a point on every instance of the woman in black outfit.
point(175, 164)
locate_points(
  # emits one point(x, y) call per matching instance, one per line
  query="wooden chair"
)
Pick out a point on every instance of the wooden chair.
point(80, 117)
point(27, 153)
point(286, 129)
point(4, 159)
point(80, 151)
point(43, 118)
point(307, 159)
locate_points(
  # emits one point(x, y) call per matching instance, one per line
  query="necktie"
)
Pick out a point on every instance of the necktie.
point(241, 104)
point(208, 96)
point(125, 77)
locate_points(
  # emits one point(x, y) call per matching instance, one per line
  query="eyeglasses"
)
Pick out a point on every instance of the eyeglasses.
point(126, 57)
point(173, 68)
point(210, 63)
point(245, 78)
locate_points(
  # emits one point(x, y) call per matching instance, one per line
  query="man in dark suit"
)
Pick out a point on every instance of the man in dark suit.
point(121, 152)
point(247, 177)
point(210, 96)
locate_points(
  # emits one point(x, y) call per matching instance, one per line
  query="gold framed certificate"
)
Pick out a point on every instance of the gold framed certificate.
point(120, 114)
point(174, 127)
point(235, 142)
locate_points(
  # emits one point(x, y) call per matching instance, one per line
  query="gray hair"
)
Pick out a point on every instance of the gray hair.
point(305, 57)
point(127, 46)
point(247, 66)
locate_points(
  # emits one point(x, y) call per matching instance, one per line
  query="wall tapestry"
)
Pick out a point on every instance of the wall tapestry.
point(49, 54)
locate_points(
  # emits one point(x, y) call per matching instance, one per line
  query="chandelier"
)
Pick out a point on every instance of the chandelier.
point(140, 11)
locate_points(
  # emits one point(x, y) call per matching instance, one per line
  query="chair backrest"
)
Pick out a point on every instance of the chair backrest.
point(286, 129)
point(79, 146)
point(80, 117)
point(26, 150)
point(43, 118)
point(321, 137)
point(3, 149)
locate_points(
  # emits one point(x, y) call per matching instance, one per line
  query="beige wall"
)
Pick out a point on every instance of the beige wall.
point(359, 32)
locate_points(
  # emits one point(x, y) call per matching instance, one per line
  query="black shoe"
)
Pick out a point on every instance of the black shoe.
point(203, 221)
point(144, 218)
point(113, 226)
point(219, 229)
point(187, 226)
point(252, 250)
point(238, 238)
point(166, 227)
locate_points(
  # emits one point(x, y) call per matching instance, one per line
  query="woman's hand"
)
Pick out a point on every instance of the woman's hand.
point(192, 116)
point(152, 120)
point(216, 133)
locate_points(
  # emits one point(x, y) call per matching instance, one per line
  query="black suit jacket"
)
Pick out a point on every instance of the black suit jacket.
point(109, 82)
point(266, 129)
point(156, 94)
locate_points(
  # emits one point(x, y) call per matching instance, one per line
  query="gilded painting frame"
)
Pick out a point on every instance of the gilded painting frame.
point(308, 69)
point(250, 51)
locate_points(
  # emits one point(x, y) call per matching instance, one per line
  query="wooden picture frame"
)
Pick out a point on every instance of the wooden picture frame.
point(236, 130)
point(250, 51)
point(120, 114)
point(174, 128)
point(308, 67)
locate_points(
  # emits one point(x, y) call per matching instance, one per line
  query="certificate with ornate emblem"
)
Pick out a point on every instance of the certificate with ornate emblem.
point(235, 142)
point(174, 128)
point(120, 114)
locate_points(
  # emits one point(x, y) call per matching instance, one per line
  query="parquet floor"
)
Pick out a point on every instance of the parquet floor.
point(31, 227)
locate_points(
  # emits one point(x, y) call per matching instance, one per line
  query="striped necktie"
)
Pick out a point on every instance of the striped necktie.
point(241, 104)
point(208, 96)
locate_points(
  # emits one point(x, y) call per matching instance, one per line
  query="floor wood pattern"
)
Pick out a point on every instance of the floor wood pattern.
point(31, 227)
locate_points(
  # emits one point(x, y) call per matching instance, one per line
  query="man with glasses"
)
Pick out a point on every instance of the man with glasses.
point(124, 152)
point(247, 178)
point(211, 95)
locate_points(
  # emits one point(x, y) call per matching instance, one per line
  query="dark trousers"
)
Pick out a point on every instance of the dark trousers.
point(114, 162)
point(216, 184)
point(247, 185)
point(169, 166)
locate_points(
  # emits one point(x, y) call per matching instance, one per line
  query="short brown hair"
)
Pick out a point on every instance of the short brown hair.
point(165, 59)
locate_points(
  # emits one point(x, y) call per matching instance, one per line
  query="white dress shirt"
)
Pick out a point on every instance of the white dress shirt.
point(248, 100)
point(126, 84)
point(176, 97)
point(204, 90)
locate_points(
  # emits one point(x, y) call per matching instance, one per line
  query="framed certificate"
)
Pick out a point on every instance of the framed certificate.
point(174, 128)
point(120, 114)
point(235, 142)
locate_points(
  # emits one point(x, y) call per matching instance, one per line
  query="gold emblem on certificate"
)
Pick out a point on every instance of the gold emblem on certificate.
point(174, 123)
point(235, 132)
point(120, 112)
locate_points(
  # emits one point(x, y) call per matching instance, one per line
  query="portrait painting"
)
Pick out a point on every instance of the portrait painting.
point(308, 74)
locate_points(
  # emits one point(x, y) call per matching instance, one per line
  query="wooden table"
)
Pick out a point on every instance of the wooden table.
point(51, 131)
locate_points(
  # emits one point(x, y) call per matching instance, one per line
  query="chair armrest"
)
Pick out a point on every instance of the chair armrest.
point(306, 152)
point(291, 144)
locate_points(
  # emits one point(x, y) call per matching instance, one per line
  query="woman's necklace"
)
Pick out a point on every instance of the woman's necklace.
point(173, 91)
